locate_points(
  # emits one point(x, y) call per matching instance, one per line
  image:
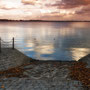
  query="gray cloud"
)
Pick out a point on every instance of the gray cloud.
point(84, 10)
point(67, 4)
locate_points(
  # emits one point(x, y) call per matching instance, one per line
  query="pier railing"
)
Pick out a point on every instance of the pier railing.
point(7, 44)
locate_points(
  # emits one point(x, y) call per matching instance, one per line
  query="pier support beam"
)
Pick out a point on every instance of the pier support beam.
point(0, 44)
point(13, 44)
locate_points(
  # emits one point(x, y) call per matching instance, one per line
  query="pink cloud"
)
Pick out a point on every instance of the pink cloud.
point(45, 10)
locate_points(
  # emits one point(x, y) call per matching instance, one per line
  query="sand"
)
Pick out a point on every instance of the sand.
point(36, 75)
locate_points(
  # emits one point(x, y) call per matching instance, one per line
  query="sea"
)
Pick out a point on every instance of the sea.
point(59, 41)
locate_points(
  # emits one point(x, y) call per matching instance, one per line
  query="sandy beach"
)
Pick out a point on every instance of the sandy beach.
point(18, 72)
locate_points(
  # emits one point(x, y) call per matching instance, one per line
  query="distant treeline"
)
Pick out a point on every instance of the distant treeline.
point(39, 20)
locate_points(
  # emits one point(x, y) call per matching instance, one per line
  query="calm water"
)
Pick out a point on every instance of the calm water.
point(49, 40)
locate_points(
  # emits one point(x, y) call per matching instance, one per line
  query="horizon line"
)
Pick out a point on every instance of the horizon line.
point(44, 20)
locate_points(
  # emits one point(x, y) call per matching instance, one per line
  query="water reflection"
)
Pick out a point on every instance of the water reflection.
point(49, 40)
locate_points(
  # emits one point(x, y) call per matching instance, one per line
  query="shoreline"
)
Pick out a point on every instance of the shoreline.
point(37, 74)
point(4, 20)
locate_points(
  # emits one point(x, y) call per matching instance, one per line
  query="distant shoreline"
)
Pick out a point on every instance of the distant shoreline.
point(4, 20)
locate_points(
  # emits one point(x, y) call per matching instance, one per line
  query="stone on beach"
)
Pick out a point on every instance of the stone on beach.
point(10, 58)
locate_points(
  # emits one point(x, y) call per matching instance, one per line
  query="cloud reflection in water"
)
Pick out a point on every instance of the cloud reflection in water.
point(49, 40)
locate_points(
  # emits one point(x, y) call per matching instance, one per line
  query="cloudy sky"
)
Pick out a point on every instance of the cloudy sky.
point(59, 10)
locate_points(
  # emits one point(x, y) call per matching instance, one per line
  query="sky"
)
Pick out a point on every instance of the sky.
point(51, 10)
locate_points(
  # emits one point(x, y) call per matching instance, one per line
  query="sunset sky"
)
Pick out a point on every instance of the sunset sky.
point(59, 10)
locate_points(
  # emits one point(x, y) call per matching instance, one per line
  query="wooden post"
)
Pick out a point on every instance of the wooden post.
point(0, 45)
point(13, 44)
